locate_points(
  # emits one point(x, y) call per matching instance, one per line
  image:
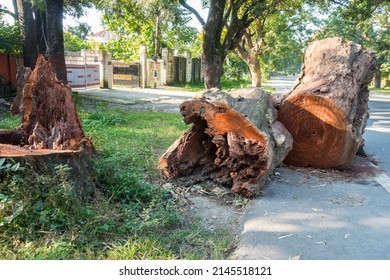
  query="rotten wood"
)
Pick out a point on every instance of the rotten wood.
point(235, 141)
point(50, 133)
point(48, 111)
point(327, 110)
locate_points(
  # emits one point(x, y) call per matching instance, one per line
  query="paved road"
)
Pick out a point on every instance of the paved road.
point(282, 84)
point(131, 96)
point(303, 216)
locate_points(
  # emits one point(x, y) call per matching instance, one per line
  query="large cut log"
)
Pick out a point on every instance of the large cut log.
point(327, 110)
point(235, 141)
point(50, 133)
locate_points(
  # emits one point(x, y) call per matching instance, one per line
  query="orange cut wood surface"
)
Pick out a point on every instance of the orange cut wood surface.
point(17, 151)
point(318, 126)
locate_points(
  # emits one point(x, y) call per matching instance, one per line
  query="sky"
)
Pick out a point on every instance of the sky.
point(93, 16)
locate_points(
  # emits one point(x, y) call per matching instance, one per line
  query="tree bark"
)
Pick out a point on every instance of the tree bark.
point(214, 54)
point(28, 33)
point(235, 141)
point(55, 38)
point(378, 78)
point(255, 70)
point(232, 16)
point(213, 69)
point(249, 50)
point(327, 110)
point(50, 132)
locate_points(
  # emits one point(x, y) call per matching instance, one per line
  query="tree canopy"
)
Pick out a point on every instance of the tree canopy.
point(141, 22)
point(9, 34)
point(365, 22)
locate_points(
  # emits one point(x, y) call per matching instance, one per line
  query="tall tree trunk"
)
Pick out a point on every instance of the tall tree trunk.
point(249, 50)
point(41, 31)
point(213, 69)
point(377, 78)
point(255, 70)
point(28, 31)
point(55, 38)
point(214, 54)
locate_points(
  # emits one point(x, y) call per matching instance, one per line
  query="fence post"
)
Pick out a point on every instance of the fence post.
point(188, 67)
point(105, 70)
point(167, 56)
point(143, 54)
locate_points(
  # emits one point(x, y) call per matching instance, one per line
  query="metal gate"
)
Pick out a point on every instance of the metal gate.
point(126, 75)
point(179, 70)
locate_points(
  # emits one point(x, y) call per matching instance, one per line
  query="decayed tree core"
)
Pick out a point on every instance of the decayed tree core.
point(48, 112)
point(327, 110)
point(224, 146)
point(50, 133)
point(219, 138)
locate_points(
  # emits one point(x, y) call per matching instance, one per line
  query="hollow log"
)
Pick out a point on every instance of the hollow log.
point(327, 109)
point(235, 141)
point(50, 133)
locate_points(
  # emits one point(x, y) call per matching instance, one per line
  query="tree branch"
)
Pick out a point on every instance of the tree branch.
point(5, 11)
point(341, 3)
point(192, 10)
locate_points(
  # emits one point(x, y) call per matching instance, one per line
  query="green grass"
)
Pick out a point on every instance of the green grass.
point(226, 85)
point(380, 90)
point(130, 216)
point(8, 122)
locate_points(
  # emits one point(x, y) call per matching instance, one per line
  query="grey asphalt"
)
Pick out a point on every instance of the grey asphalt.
point(309, 217)
point(135, 95)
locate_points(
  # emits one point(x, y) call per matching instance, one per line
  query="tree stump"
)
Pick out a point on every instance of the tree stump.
point(327, 110)
point(235, 141)
point(50, 133)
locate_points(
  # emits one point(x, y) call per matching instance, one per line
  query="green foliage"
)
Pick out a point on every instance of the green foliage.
point(366, 23)
point(74, 43)
point(287, 33)
point(380, 90)
point(235, 68)
point(50, 202)
point(9, 122)
point(82, 30)
point(135, 22)
point(10, 37)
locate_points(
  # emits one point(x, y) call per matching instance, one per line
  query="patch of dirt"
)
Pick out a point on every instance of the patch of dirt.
point(214, 214)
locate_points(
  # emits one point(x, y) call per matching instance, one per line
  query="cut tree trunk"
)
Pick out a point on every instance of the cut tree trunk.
point(50, 133)
point(235, 141)
point(327, 110)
